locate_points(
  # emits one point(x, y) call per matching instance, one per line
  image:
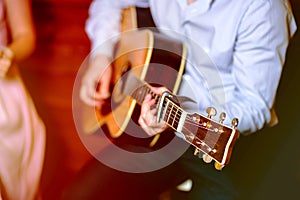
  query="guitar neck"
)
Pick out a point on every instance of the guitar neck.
point(172, 112)
point(140, 93)
point(174, 116)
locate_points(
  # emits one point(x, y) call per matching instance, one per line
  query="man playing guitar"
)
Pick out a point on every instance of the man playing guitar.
point(245, 40)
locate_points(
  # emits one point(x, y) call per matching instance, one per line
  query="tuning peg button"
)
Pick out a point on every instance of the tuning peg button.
point(211, 111)
point(218, 166)
point(196, 152)
point(235, 122)
point(206, 158)
point(222, 117)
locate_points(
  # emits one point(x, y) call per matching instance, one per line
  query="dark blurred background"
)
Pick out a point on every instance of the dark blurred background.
point(266, 165)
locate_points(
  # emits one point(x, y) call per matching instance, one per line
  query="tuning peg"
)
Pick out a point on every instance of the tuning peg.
point(206, 158)
point(196, 152)
point(222, 117)
point(196, 118)
point(211, 111)
point(235, 122)
point(218, 166)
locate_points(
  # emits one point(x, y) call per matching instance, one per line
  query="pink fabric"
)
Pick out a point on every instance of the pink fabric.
point(22, 137)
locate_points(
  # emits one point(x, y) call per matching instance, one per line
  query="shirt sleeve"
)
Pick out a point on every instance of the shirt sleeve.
point(259, 56)
point(103, 23)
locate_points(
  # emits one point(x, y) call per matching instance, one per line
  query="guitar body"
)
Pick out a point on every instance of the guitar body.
point(146, 54)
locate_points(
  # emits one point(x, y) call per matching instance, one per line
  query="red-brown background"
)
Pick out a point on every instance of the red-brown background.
point(49, 75)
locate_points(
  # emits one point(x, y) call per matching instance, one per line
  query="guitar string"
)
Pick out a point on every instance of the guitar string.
point(189, 119)
point(174, 117)
point(177, 117)
point(202, 142)
point(176, 120)
point(156, 97)
point(190, 137)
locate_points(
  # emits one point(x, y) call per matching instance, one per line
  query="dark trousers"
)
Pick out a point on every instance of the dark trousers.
point(98, 181)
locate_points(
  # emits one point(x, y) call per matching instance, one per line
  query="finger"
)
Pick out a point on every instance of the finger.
point(92, 92)
point(88, 94)
point(149, 124)
point(150, 119)
point(149, 131)
point(145, 106)
point(85, 97)
point(105, 84)
point(147, 98)
point(147, 114)
point(103, 92)
point(100, 96)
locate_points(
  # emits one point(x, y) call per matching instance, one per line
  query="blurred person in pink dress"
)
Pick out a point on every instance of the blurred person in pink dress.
point(22, 133)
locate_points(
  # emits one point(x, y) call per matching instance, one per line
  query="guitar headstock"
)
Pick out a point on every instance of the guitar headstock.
point(212, 139)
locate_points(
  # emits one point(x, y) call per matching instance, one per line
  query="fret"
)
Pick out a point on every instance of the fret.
point(140, 93)
point(133, 95)
point(169, 114)
point(140, 97)
point(153, 95)
point(176, 118)
point(172, 114)
point(166, 112)
point(156, 97)
point(144, 93)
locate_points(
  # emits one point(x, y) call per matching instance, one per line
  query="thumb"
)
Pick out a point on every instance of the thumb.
point(104, 88)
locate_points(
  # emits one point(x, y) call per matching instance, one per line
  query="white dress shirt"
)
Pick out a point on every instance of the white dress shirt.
point(236, 49)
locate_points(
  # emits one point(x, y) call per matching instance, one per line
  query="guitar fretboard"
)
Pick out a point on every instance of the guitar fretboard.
point(140, 93)
point(171, 112)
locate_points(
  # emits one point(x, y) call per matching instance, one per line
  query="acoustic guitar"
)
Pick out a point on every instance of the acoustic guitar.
point(145, 58)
